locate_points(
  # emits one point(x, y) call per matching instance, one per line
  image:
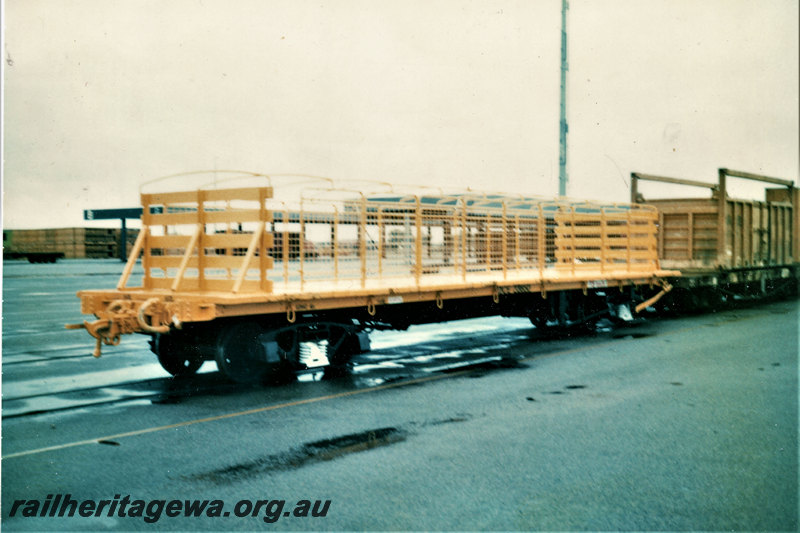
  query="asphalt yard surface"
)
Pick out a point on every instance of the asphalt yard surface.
point(687, 423)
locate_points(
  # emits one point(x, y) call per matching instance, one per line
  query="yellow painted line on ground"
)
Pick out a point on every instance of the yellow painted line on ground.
point(234, 415)
point(322, 398)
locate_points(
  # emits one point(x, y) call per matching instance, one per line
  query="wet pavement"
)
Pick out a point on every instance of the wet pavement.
point(679, 424)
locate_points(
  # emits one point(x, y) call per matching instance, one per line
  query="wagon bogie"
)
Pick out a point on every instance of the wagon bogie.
point(243, 356)
point(251, 352)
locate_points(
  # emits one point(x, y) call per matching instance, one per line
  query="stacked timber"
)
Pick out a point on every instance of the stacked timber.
point(73, 243)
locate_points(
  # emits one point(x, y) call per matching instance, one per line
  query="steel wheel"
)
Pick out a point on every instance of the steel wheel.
point(176, 356)
point(239, 355)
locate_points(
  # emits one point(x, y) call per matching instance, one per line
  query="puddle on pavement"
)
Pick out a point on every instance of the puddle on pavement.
point(566, 388)
point(628, 335)
point(84, 394)
point(312, 452)
point(481, 367)
point(451, 420)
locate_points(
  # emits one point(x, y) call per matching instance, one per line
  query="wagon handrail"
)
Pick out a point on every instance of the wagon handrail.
point(636, 176)
point(756, 177)
point(303, 196)
point(715, 187)
point(247, 173)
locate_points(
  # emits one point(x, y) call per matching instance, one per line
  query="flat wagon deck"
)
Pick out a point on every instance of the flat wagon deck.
point(245, 275)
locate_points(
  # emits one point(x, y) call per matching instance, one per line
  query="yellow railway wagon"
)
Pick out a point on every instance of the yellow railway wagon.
point(224, 278)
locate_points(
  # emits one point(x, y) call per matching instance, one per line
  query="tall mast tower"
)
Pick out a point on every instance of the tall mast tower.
point(562, 159)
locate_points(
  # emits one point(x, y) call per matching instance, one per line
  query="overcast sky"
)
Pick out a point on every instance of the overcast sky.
point(101, 95)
